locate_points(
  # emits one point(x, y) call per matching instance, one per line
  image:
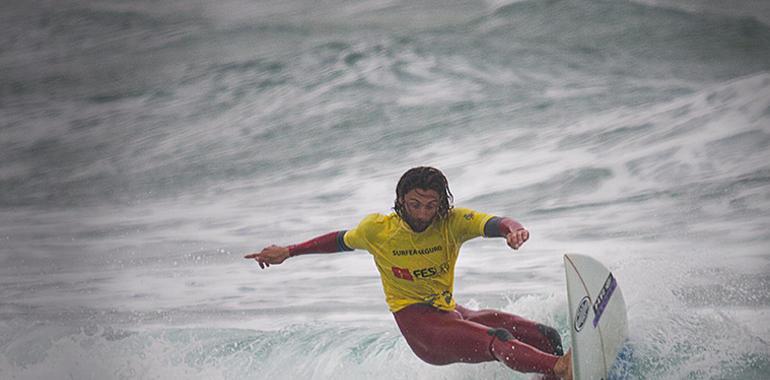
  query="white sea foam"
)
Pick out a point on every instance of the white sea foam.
point(145, 150)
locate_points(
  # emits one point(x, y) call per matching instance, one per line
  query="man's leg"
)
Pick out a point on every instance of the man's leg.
point(540, 336)
point(440, 337)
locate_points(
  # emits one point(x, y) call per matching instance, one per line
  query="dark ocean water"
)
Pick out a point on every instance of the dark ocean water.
point(146, 146)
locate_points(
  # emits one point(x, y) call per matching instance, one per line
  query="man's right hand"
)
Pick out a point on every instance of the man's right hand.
point(269, 255)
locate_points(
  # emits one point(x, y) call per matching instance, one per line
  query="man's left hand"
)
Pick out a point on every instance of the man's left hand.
point(517, 238)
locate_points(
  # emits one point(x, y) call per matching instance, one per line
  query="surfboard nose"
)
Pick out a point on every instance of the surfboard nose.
point(598, 320)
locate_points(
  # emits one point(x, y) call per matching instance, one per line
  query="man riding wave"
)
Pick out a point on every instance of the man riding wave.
point(415, 249)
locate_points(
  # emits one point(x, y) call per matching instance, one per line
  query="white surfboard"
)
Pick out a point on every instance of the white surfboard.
point(598, 323)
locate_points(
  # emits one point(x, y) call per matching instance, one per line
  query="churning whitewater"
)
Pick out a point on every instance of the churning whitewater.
point(147, 146)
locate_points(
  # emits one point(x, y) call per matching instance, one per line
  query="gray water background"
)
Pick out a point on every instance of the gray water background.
point(145, 146)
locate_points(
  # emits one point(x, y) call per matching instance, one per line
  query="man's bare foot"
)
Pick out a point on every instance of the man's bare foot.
point(563, 366)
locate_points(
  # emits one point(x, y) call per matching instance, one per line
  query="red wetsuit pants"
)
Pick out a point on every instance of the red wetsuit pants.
point(442, 337)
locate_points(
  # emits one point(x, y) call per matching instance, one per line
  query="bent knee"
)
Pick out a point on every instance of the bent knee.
point(553, 337)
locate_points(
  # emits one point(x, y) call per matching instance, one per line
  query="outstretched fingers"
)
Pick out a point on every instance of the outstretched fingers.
point(269, 256)
point(257, 256)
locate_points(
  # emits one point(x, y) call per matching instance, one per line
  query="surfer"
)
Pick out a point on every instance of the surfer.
point(415, 249)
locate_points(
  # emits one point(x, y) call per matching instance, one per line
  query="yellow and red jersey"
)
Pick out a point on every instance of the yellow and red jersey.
point(417, 267)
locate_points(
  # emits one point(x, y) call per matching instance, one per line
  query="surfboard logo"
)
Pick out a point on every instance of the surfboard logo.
point(581, 313)
point(604, 297)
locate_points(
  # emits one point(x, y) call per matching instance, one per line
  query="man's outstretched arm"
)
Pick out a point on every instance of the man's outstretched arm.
point(327, 243)
point(514, 233)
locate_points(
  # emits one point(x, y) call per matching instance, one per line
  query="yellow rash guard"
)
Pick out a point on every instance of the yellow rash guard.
point(417, 267)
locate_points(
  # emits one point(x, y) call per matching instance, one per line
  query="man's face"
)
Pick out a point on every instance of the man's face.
point(421, 208)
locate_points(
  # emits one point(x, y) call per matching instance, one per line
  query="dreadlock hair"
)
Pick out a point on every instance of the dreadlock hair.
point(428, 178)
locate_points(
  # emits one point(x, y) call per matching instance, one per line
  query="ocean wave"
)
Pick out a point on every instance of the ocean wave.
point(313, 351)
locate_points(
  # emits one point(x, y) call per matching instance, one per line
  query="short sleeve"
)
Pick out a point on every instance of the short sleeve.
point(467, 224)
point(358, 237)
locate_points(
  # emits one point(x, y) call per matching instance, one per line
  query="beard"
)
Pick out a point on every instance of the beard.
point(418, 225)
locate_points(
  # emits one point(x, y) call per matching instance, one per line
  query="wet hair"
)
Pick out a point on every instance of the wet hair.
point(427, 178)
